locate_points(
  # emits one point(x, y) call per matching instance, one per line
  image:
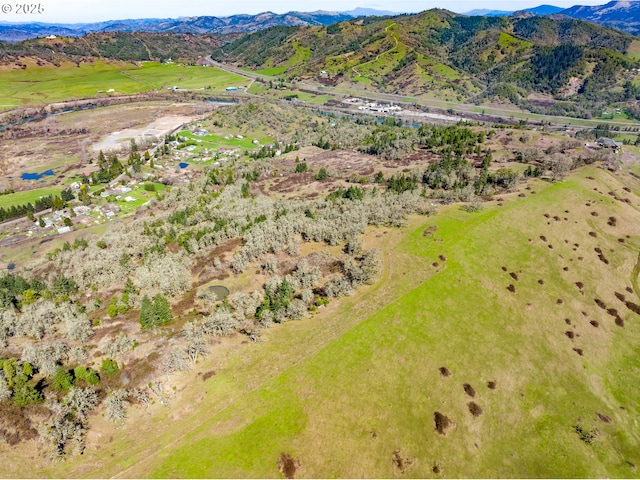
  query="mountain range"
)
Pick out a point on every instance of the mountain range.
point(621, 14)
point(547, 64)
point(16, 32)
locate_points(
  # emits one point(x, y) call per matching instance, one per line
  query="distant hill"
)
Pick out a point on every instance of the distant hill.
point(540, 10)
point(620, 14)
point(544, 10)
point(369, 12)
point(16, 32)
point(484, 12)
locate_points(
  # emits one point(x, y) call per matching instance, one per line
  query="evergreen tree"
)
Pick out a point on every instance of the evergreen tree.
point(155, 313)
point(162, 309)
point(147, 314)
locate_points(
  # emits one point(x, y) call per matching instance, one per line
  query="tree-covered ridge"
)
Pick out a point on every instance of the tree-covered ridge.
point(475, 57)
point(115, 46)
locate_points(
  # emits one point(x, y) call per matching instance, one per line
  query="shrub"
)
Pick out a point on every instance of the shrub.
point(321, 175)
point(109, 366)
point(62, 380)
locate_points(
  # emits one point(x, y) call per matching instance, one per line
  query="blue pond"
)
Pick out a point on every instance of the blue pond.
point(36, 176)
point(183, 165)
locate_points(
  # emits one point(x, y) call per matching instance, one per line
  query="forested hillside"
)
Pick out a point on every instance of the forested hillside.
point(116, 46)
point(474, 58)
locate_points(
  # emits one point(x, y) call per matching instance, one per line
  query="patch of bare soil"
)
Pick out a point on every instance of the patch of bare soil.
point(400, 462)
point(288, 465)
point(443, 423)
point(604, 418)
point(469, 390)
point(16, 424)
point(208, 375)
point(475, 409)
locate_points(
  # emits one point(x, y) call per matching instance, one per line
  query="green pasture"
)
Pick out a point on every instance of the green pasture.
point(273, 71)
point(311, 98)
point(381, 377)
point(141, 197)
point(213, 142)
point(28, 196)
point(36, 85)
point(343, 391)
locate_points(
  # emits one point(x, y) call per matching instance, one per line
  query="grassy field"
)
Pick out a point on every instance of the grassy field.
point(141, 196)
point(271, 71)
point(213, 142)
point(355, 387)
point(28, 196)
point(36, 85)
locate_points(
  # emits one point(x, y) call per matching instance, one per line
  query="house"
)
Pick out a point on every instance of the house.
point(82, 210)
point(605, 142)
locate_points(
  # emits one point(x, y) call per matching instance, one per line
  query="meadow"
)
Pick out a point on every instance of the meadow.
point(510, 330)
point(28, 196)
point(213, 142)
point(36, 85)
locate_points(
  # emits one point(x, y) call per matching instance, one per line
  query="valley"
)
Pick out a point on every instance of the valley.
point(383, 247)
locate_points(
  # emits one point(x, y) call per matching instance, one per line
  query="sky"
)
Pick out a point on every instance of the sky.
point(74, 11)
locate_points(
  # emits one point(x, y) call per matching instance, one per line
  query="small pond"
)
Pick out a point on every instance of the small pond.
point(220, 291)
point(36, 176)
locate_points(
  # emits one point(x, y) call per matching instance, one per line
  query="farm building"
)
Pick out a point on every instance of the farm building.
point(605, 142)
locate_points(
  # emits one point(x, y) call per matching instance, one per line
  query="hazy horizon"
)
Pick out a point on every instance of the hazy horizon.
point(83, 11)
